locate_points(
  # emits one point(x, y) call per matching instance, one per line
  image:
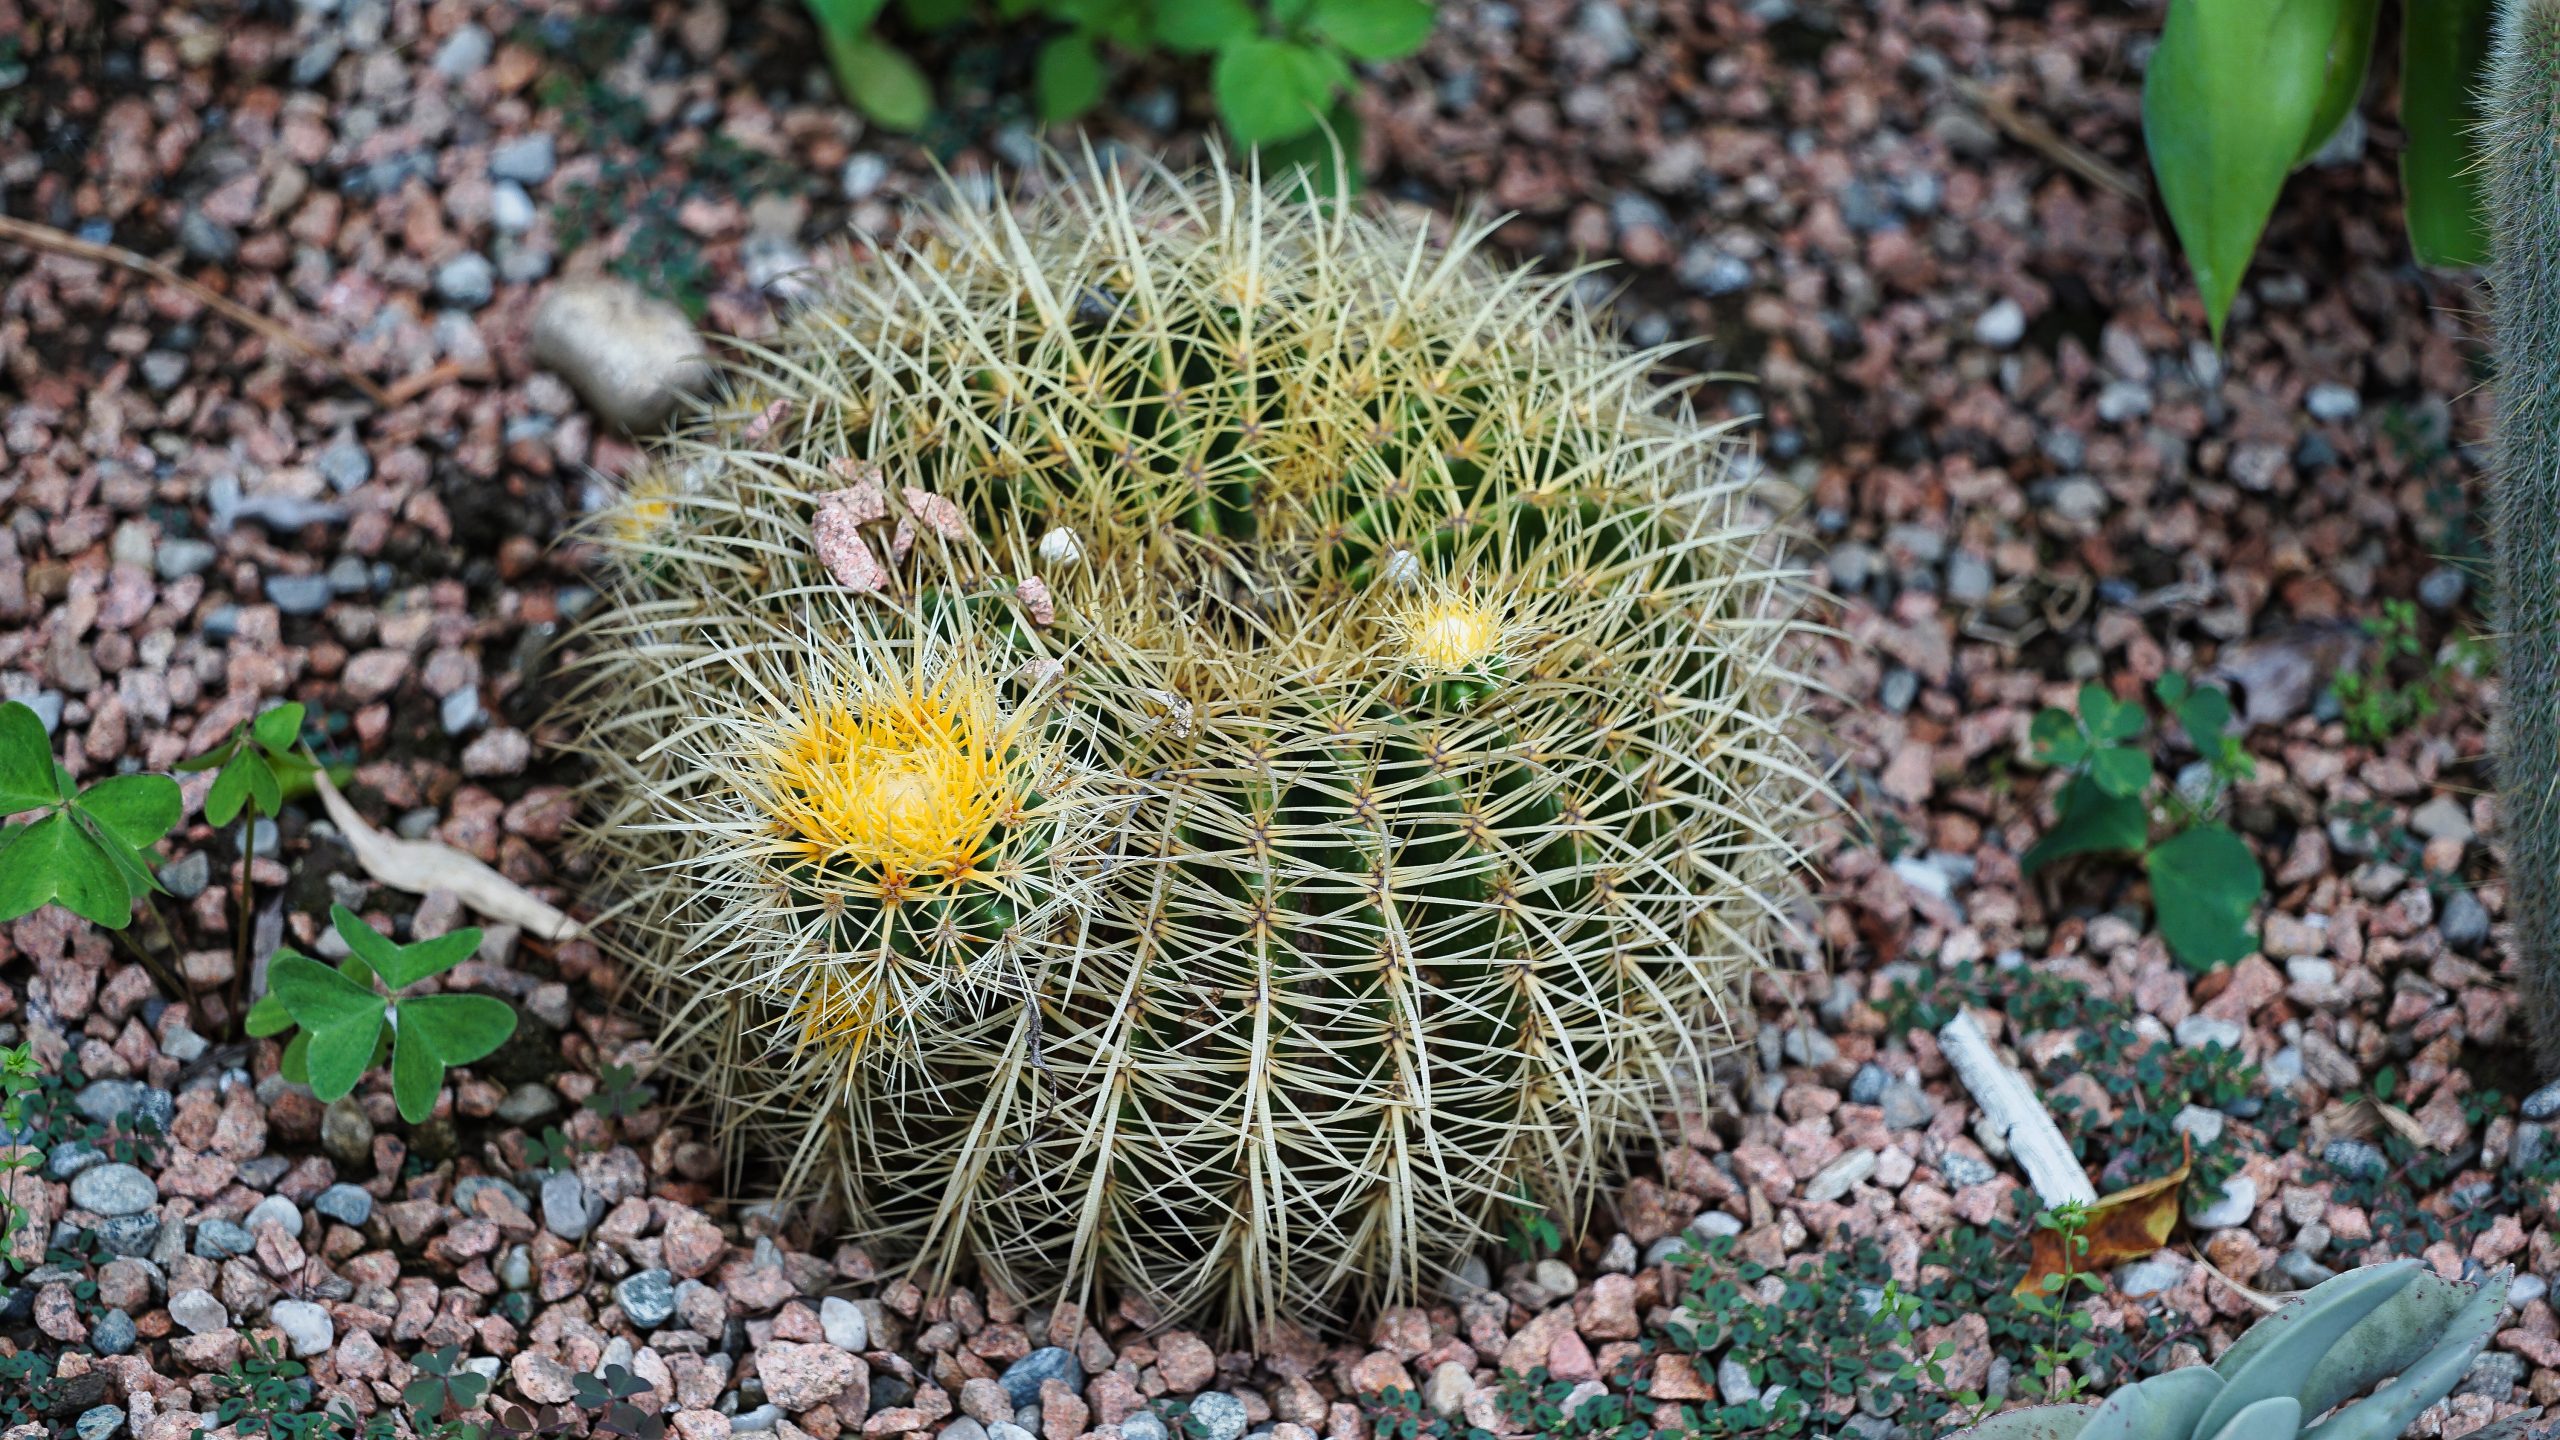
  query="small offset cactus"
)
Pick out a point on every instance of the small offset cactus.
point(2521, 158)
point(2396, 1323)
point(1181, 738)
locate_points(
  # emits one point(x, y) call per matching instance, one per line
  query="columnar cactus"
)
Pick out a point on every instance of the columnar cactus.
point(1201, 741)
point(2398, 1326)
point(2521, 155)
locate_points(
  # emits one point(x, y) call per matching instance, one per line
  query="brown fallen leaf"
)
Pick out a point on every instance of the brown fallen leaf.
point(2356, 1119)
point(419, 866)
point(2127, 1225)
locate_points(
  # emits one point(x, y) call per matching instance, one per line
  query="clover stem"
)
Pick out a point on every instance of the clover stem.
point(244, 916)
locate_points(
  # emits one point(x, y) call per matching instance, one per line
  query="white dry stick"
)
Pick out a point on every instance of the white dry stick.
point(2015, 1114)
point(419, 866)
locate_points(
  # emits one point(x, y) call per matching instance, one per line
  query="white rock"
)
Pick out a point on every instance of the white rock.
point(630, 355)
point(844, 1325)
point(198, 1313)
point(2239, 1201)
point(306, 1327)
point(275, 1210)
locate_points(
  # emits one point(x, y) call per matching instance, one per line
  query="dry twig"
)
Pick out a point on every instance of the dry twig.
point(2036, 135)
point(52, 241)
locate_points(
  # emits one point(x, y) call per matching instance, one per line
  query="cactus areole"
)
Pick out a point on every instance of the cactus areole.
point(2356, 1357)
point(1178, 739)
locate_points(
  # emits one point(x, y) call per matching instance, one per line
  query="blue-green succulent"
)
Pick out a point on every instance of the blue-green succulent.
point(2398, 1327)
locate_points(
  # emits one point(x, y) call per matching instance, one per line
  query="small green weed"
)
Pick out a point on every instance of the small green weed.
point(2375, 704)
point(2204, 881)
point(347, 1026)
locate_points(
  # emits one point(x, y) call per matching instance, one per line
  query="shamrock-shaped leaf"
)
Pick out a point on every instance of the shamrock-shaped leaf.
point(2058, 738)
point(345, 1021)
point(88, 850)
point(2089, 820)
point(259, 768)
point(2105, 717)
point(2120, 770)
point(1374, 29)
point(443, 1387)
point(619, 1093)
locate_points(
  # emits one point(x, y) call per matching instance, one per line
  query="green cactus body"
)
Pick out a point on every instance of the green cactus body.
point(2521, 158)
point(2397, 1324)
point(1361, 768)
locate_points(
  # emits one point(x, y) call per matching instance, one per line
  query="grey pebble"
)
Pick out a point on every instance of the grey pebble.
point(275, 1210)
point(463, 53)
point(219, 1239)
point(1964, 1171)
point(113, 1190)
point(2355, 1157)
point(2332, 401)
point(511, 210)
point(345, 465)
point(1021, 1379)
point(1219, 1414)
point(187, 875)
point(100, 1422)
point(346, 1204)
point(114, 1333)
point(526, 159)
point(468, 280)
point(2465, 922)
point(2543, 1104)
point(178, 558)
point(647, 1299)
point(569, 1208)
point(300, 594)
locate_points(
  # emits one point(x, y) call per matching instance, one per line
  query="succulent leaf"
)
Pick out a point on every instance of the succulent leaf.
point(2279, 1417)
point(2036, 1422)
point(2389, 1411)
point(2300, 1336)
point(2164, 1407)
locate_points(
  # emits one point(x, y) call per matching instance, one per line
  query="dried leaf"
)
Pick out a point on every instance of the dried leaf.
point(836, 537)
point(419, 866)
point(2127, 1225)
point(2356, 1119)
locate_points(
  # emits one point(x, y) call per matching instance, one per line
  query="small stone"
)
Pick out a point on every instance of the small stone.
point(460, 713)
point(300, 594)
point(2442, 588)
point(647, 1299)
point(114, 1333)
point(110, 1190)
point(2355, 1157)
point(345, 465)
point(277, 1211)
point(468, 280)
point(2160, 1273)
point(1219, 1415)
point(846, 1330)
point(198, 1313)
point(1841, 1176)
point(306, 1327)
point(500, 752)
point(2331, 402)
point(2000, 325)
point(1965, 1172)
point(178, 558)
point(346, 1133)
point(529, 1103)
point(463, 53)
point(1906, 1106)
point(2197, 1031)
point(2442, 818)
point(2542, 1104)
point(630, 355)
point(99, 1422)
point(346, 1204)
point(2465, 921)
point(800, 1377)
point(526, 159)
point(2202, 1124)
point(511, 210)
point(1145, 1425)
point(1021, 1379)
point(2238, 1201)
point(220, 1239)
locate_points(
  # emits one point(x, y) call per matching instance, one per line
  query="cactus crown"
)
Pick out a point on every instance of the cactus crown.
point(1171, 736)
point(2395, 1325)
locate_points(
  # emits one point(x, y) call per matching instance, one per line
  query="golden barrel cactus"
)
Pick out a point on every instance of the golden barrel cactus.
point(1179, 738)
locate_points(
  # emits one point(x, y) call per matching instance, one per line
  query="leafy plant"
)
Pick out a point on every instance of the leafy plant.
point(2204, 881)
point(347, 1026)
point(259, 771)
point(2241, 93)
point(619, 1093)
point(90, 848)
point(551, 1150)
point(2375, 705)
point(1532, 1233)
point(2051, 1304)
point(268, 1394)
point(1279, 70)
point(20, 1077)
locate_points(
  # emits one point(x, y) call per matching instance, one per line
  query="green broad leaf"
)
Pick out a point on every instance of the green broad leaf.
point(1068, 77)
point(1196, 27)
point(850, 17)
point(340, 1054)
point(230, 789)
point(52, 859)
point(2057, 738)
point(267, 1017)
point(26, 760)
point(137, 809)
point(1373, 29)
point(277, 729)
point(2204, 884)
point(1328, 174)
point(2350, 56)
point(266, 792)
point(2089, 821)
point(2444, 50)
point(2120, 771)
point(879, 80)
point(1272, 89)
point(457, 1029)
point(2205, 714)
point(416, 1073)
point(2106, 717)
point(434, 957)
point(2232, 93)
point(318, 997)
point(934, 14)
point(295, 1063)
point(377, 950)
point(219, 755)
point(133, 867)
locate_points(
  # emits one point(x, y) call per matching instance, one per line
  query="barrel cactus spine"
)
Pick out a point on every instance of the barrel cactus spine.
point(1171, 737)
